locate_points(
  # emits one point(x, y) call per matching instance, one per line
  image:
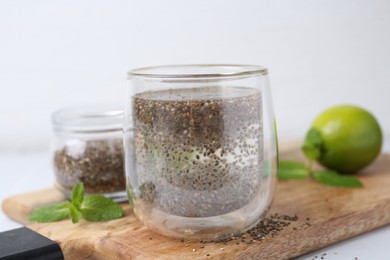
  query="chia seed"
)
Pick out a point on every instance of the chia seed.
point(271, 225)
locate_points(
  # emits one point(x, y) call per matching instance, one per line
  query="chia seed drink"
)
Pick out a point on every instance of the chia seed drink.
point(87, 147)
point(198, 151)
point(200, 159)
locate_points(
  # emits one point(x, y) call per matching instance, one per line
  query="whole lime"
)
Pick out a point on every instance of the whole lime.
point(351, 136)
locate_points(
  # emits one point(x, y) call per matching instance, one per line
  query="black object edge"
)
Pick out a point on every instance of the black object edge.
point(24, 243)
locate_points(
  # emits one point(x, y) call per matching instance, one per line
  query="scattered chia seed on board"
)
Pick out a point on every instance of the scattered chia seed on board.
point(96, 163)
point(271, 225)
point(199, 151)
point(268, 226)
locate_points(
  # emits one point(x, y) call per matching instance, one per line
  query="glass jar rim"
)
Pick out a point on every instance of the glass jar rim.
point(203, 71)
point(88, 119)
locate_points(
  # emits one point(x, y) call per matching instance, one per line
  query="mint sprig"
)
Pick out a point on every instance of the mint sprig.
point(313, 145)
point(50, 213)
point(313, 148)
point(91, 207)
point(77, 195)
point(99, 208)
point(292, 170)
point(74, 213)
point(332, 178)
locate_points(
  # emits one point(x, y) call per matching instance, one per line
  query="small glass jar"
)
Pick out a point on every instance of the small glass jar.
point(88, 147)
point(200, 148)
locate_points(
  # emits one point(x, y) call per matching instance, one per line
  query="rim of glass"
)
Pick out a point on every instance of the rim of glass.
point(88, 118)
point(209, 71)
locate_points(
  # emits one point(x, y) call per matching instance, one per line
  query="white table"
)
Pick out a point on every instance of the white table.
point(24, 173)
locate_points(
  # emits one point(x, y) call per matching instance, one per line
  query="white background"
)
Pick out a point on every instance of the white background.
point(63, 53)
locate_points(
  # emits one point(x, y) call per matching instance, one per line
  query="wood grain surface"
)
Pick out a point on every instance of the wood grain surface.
point(326, 215)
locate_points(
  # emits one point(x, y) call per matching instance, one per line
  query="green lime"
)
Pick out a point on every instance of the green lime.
point(351, 136)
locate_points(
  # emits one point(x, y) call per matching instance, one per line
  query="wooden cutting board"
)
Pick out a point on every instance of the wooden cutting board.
point(326, 215)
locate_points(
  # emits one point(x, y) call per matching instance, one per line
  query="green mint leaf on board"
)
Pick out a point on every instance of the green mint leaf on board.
point(92, 207)
point(77, 195)
point(332, 178)
point(50, 213)
point(99, 208)
point(75, 214)
point(292, 170)
point(313, 145)
point(130, 195)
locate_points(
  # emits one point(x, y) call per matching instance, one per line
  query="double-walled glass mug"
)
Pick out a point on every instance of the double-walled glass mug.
point(200, 148)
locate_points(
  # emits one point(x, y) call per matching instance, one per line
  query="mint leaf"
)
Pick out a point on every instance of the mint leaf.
point(99, 208)
point(75, 214)
point(77, 195)
point(94, 207)
point(332, 178)
point(313, 145)
point(50, 213)
point(292, 170)
point(130, 195)
point(156, 153)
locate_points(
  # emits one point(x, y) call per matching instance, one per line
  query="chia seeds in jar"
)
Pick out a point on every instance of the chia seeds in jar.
point(88, 148)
